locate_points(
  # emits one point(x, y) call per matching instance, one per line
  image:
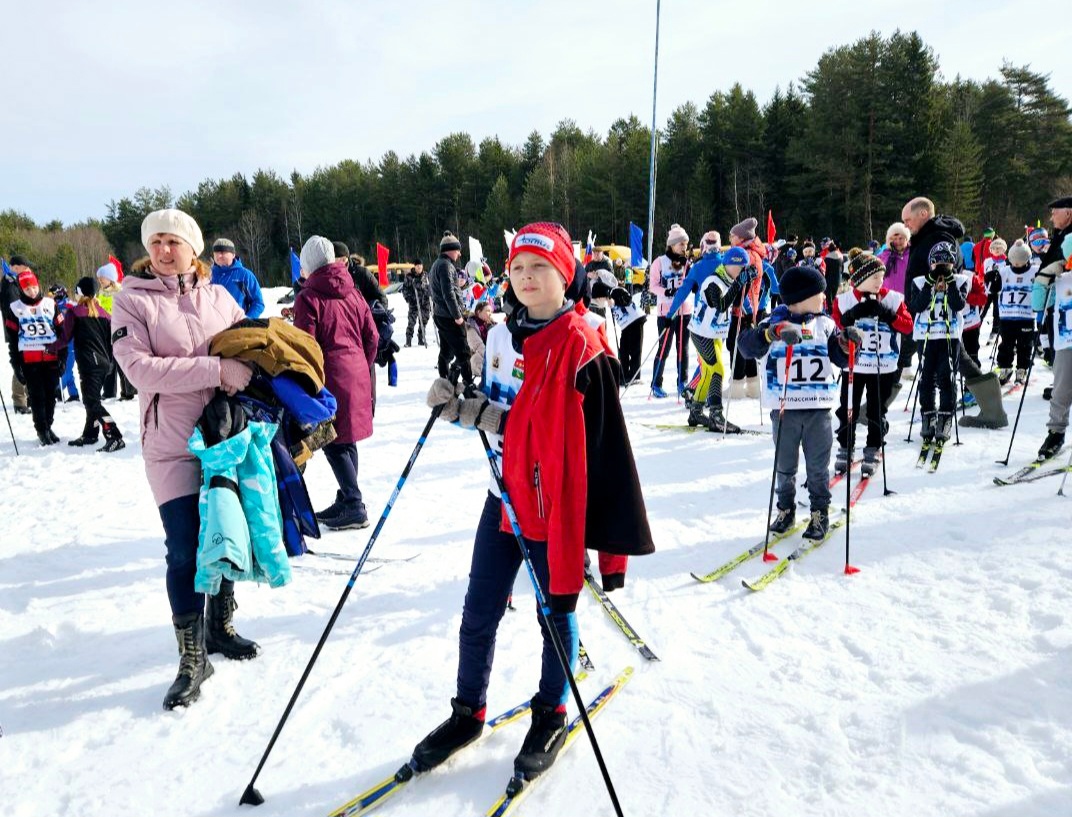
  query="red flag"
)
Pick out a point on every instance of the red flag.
point(772, 233)
point(118, 266)
point(382, 255)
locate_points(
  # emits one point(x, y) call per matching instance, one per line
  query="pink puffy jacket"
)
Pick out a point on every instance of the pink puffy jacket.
point(161, 330)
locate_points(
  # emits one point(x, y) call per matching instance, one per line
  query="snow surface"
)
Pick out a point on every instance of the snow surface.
point(935, 682)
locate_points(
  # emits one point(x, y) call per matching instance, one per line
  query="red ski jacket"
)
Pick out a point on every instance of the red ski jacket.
point(567, 462)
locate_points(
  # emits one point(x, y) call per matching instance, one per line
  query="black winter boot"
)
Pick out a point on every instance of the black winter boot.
point(220, 635)
point(545, 738)
point(194, 666)
point(460, 729)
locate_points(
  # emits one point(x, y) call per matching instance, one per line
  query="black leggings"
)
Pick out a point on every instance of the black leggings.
point(1017, 337)
point(939, 357)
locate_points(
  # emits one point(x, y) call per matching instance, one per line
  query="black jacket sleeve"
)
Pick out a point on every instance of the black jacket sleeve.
point(753, 342)
point(616, 520)
point(921, 301)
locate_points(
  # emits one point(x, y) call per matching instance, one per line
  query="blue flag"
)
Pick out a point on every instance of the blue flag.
point(295, 267)
point(8, 272)
point(636, 244)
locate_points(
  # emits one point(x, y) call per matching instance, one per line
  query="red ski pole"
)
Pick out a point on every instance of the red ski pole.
point(851, 420)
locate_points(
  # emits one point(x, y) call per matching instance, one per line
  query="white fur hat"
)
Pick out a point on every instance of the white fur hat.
point(898, 228)
point(175, 222)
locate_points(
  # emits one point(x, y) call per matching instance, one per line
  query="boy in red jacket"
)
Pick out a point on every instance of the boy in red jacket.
point(882, 317)
point(551, 391)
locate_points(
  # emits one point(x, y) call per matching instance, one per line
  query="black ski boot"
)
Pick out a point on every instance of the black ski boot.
point(786, 518)
point(546, 736)
point(943, 425)
point(696, 416)
point(871, 461)
point(818, 525)
point(927, 431)
point(220, 635)
point(841, 461)
point(84, 440)
point(194, 666)
point(460, 729)
point(113, 440)
point(718, 422)
point(1052, 444)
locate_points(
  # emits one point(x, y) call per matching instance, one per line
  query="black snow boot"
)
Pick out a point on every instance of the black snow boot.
point(194, 666)
point(460, 729)
point(220, 635)
point(1054, 441)
point(818, 525)
point(546, 736)
point(987, 392)
point(85, 440)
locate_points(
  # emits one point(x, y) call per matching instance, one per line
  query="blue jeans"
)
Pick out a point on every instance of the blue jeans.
point(496, 560)
point(67, 383)
point(181, 522)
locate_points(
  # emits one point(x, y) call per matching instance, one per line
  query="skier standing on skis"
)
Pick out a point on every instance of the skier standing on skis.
point(806, 390)
point(721, 292)
point(418, 296)
point(938, 300)
point(1060, 306)
point(881, 316)
point(572, 481)
point(1017, 334)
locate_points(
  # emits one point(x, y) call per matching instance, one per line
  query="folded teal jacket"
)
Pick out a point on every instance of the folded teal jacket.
point(241, 536)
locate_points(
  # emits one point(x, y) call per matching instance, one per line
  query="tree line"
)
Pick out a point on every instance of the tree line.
point(836, 154)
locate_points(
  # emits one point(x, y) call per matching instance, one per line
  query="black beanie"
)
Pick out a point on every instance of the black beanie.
point(21, 261)
point(863, 266)
point(342, 252)
point(449, 242)
point(86, 287)
point(800, 283)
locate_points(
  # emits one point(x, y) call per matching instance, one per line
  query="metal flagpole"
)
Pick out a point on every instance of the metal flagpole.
point(651, 170)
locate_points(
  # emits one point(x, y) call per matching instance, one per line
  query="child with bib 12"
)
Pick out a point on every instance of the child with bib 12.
point(802, 345)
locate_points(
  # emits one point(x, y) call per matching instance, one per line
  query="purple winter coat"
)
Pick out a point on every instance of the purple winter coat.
point(330, 308)
point(896, 268)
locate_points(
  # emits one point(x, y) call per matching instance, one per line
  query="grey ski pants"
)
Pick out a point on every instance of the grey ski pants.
point(1062, 391)
point(811, 430)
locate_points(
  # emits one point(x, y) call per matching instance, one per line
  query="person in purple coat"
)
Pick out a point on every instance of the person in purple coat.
point(330, 308)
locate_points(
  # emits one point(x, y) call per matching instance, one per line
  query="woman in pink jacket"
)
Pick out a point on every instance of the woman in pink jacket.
point(162, 323)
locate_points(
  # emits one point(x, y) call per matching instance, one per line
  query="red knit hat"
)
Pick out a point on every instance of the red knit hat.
point(547, 240)
point(28, 279)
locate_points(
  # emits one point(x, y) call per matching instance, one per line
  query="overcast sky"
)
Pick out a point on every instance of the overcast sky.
point(102, 98)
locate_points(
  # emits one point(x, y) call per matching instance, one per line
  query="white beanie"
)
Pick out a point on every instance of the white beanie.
point(677, 233)
point(109, 273)
point(175, 222)
point(898, 228)
point(318, 252)
point(710, 240)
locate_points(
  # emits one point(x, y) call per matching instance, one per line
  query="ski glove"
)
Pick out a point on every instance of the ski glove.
point(850, 334)
point(444, 393)
point(234, 375)
point(478, 412)
point(747, 276)
point(786, 331)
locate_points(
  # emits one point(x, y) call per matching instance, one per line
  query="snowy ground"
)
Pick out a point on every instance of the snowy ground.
point(935, 682)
